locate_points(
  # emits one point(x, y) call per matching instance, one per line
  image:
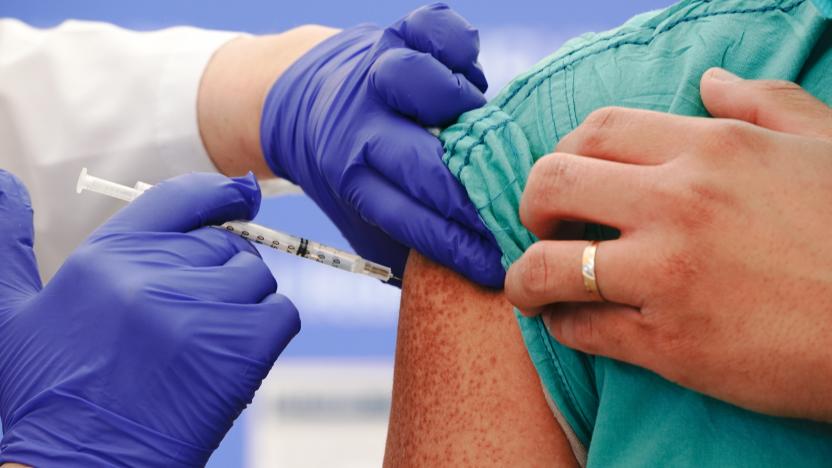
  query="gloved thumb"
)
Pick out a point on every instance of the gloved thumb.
point(777, 105)
point(19, 276)
point(418, 86)
point(441, 32)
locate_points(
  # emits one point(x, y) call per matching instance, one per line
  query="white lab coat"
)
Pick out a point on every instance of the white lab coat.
point(86, 94)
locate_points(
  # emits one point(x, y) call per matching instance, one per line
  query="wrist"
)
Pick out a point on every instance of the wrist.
point(233, 88)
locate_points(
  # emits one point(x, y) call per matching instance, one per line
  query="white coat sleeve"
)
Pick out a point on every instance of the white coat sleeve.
point(86, 94)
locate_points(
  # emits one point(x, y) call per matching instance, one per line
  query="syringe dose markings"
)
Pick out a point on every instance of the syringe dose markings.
point(301, 251)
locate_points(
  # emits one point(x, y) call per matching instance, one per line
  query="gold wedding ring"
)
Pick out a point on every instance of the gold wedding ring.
point(588, 270)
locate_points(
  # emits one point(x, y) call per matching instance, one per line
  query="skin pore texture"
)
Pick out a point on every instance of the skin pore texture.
point(465, 392)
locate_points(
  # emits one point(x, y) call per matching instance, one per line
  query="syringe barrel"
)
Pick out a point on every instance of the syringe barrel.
point(346, 261)
point(263, 235)
point(308, 249)
point(332, 257)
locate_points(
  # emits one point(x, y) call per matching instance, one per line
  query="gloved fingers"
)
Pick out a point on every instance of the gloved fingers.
point(443, 240)
point(419, 86)
point(204, 247)
point(18, 267)
point(440, 31)
point(243, 279)
point(187, 202)
point(411, 159)
point(276, 322)
point(210, 246)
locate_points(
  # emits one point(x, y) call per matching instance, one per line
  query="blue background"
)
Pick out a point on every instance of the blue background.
point(371, 339)
point(259, 16)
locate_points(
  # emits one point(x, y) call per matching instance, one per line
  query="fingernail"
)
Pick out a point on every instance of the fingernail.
point(722, 74)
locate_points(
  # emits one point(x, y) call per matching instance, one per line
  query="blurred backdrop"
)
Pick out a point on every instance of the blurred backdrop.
point(326, 402)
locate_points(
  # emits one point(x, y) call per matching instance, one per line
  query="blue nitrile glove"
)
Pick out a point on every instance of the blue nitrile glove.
point(345, 122)
point(148, 342)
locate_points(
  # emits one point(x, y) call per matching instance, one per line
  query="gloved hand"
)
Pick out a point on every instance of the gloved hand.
point(148, 342)
point(345, 122)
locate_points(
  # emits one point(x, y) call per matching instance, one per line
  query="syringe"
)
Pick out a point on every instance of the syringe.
point(254, 232)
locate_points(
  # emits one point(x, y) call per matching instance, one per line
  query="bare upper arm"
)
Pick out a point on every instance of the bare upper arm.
point(465, 392)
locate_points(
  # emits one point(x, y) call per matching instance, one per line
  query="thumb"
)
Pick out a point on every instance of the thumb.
point(419, 86)
point(600, 328)
point(441, 32)
point(19, 276)
point(778, 105)
point(188, 202)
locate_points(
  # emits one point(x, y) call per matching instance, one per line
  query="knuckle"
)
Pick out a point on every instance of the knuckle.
point(345, 180)
point(389, 65)
point(727, 129)
point(591, 136)
point(533, 274)
point(258, 266)
point(603, 118)
point(127, 289)
point(130, 292)
point(725, 143)
point(548, 179)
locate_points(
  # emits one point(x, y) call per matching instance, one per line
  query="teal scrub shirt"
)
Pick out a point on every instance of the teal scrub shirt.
point(825, 7)
point(617, 414)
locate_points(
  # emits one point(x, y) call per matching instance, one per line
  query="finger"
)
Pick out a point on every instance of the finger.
point(410, 158)
point(210, 246)
point(18, 269)
point(204, 247)
point(187, 202)
point(255, 333)
point(279, 322)
point(551, 272)
point(777, 105)
point(243, 279)
point(568, 187)
point(438, 30)
point(415, 225)
point(419, 86)
point(632, 136)
point(611, 330)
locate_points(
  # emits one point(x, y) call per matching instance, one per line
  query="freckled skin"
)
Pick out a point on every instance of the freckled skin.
point(465, 392)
